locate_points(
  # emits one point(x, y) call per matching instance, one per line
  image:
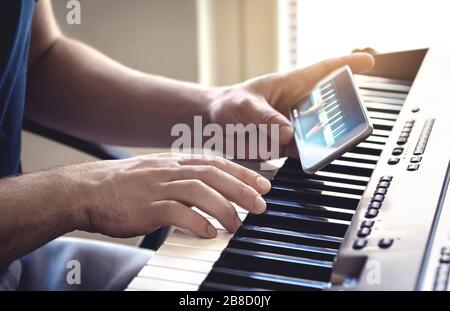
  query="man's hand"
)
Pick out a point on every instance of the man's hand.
point(125, 198)
point(136, 196)
point(266, 99)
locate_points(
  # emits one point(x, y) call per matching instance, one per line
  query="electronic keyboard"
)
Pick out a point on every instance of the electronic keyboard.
point(377, 218)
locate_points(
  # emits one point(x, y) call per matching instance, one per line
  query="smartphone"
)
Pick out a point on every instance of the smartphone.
point(329, 121)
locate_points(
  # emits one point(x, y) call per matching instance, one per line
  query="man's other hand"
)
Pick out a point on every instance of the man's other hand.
point(266, 99)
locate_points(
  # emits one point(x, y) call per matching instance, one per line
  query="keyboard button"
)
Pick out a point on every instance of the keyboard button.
point(383, 184)
point(381, 191)
point(404, 134)
point(419, 150)
point(445, 250)
point(397, 151)
point(371, 213)
point(393, 160)
point(375, 205)
point(413, 167)
point(402, 140)
point(360, 243)
point(387, 178)
point(445, 258)
point(416, 159)
point(378, 198)
point(367, 223)
point(385, 243)
point(406, 129)
point(363, 232)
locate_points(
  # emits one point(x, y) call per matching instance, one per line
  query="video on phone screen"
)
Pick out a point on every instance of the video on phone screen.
point(329, 113)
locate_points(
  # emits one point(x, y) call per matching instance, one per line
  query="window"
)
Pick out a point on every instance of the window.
point(327, 28)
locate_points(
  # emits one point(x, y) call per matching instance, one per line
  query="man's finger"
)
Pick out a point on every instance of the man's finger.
point(251, 178)
point(297, 83)
point(259, 111)
point(230, 187)
point(179, 215)
point(196, 193)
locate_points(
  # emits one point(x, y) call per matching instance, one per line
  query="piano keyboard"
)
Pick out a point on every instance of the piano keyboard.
point(293, 244)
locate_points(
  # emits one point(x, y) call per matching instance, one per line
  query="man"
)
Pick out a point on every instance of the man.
point(68, 86)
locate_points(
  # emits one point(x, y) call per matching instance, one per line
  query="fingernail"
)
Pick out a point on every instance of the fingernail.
point(211, 231)
point(263, 184)
point(286, 134)
point(260, 204)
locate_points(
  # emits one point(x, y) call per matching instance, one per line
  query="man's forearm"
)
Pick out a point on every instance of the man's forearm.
point(78, 90)
point(35, 208)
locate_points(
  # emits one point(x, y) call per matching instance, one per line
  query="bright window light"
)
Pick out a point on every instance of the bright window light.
point(327, 28)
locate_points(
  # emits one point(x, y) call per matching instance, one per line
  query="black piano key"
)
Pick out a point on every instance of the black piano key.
point(359, 160)
point(361, 148)
point(373, 139)
point(397, 88)
point(281, 205)
point(382, 80)
point(333, 177)
point(384, 95)
point(383, 115)
point(318, 184)
point(255, 261)
point(352, 170)
point(303, 223)
point(314, 197)
point(315, 184)
point(262, 280)
point(283, 248)
point(289, 236)
point(379, 107)
point(381, 133)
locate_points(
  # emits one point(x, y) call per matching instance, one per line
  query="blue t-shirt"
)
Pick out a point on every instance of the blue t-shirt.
point(15, 29)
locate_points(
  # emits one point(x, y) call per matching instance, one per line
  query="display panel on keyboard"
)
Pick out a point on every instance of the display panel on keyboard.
point(293, 244)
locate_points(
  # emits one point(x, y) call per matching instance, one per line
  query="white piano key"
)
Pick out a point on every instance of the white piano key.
point(216, 224)
point(377, 139)
point(221, 235)
point(190, 241)
point(146, 284)
point(383, 133)
point(389, 107)
point(371, 146)
point(354, 164)
point(383, 115)
point(361, 156)
point(168, 274)
point(345, 176)
point(239, 210)
point(180, 263)
point(188, 252)
point(384, 86)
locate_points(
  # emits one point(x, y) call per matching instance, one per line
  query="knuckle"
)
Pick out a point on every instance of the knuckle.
point(228, 211)
point(195, 185)
point(247, 194)
point(270, 116)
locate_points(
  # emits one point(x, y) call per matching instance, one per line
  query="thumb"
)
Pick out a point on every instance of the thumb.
point(260, 112)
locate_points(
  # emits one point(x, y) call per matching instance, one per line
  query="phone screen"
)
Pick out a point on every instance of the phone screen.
point(328, 120)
